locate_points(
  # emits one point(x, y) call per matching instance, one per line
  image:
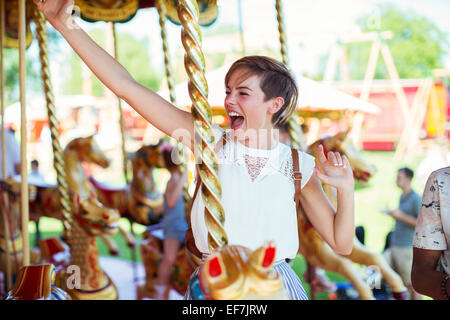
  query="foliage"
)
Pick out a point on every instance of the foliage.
point(11, 74)
point(132, 54)
point(418, 45)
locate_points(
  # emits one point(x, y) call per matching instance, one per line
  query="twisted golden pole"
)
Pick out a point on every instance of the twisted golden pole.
point(161, 7)
point(294, 123)
point(126, 170)
point(204, 140)
point(58, 160)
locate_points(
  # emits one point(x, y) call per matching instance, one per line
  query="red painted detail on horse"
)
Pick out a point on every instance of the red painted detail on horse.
point(83, 223)
point(307, 227)
point(215, 269)
point(269, 256)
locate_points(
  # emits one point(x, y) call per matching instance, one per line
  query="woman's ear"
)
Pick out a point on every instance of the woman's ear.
point(277, 103)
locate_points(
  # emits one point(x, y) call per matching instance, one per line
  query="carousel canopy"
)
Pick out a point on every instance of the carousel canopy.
point(36, 108)
point(313, 95)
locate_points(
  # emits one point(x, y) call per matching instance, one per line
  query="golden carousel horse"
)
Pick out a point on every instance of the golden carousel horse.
point(139, 201)
point(317, 252)
point(238, 273)
point(47, 199)
point(91, 219)
point(37, 282)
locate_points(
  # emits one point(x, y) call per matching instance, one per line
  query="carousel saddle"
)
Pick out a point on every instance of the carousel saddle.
point(35, 282)
point(106, 188)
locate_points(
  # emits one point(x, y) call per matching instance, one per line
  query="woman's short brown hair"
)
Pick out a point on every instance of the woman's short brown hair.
point(275, 81)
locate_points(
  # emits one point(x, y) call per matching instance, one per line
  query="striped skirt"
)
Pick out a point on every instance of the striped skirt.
point(291, 282)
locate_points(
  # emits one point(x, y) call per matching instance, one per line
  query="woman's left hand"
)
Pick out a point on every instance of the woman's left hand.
point(334, 170)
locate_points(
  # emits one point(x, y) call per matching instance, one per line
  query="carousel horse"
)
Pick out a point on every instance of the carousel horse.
point(139, 201)
point(318, 253)
point(37, 282)
point(47, 199)
point(238, 273)
point(90, 220)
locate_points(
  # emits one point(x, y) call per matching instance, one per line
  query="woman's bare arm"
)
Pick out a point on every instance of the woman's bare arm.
point(159, 112)
point(175, 188)
point(337, 228)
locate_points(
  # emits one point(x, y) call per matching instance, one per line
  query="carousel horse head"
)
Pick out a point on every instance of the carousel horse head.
point(94, 218)
point(152, 156)
point(87, 150)
point(362, 170)
point(37, 282)
point(236, 272)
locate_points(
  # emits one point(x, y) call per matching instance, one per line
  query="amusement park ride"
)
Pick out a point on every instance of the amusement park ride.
point(90, 209)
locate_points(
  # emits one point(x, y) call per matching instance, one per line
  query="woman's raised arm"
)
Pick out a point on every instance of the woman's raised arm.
point(159, 112)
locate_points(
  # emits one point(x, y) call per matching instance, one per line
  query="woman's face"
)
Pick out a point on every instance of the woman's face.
point(244, 103)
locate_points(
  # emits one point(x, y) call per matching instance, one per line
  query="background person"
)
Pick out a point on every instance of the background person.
point(399, 253)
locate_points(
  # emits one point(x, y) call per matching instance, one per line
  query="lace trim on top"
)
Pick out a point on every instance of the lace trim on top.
point(254, 165)
point(255, 160)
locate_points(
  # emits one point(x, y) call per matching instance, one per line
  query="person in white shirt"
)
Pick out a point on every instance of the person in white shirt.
point(35, 177)
point(12, 156)
point(256, 170)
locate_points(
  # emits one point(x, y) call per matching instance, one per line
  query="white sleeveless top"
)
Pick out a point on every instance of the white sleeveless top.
point(257, 197)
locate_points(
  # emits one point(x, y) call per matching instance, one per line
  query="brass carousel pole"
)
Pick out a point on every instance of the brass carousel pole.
point(161, 7)
point(204, 140)
point(126, 170)
point(294, 123)
point(58, 160)
point(23, 135)
point(2, 130)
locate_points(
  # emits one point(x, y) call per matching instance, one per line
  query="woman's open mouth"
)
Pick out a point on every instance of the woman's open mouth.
point(236, 120)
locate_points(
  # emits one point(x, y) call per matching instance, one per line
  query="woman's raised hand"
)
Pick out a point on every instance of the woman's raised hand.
point(57, 12)
point(334, 170)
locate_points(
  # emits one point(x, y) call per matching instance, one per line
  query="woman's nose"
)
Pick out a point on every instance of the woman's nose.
point(229, 99)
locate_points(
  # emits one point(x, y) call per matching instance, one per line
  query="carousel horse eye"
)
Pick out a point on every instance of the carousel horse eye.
point(214, 267)
point(105, 217)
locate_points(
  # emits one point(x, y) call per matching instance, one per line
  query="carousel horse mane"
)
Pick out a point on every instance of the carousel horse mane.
point(236, 272)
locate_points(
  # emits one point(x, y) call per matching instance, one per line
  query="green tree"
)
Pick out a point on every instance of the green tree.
point(132, 54)
point(418, 45)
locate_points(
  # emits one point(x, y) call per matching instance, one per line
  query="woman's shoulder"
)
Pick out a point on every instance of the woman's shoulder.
point(305, 159)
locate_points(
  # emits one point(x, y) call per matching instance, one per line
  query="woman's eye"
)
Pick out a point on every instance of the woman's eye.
point(243, 93)
point(227, 92)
